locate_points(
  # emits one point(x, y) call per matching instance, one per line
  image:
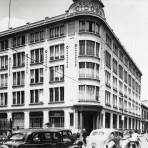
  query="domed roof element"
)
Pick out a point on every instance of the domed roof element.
point(94, 7)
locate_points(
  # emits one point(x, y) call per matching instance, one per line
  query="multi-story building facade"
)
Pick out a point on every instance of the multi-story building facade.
point(71, 71)
point(144, 115)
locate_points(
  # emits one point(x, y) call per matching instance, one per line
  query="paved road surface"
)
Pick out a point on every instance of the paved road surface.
point(144, 143)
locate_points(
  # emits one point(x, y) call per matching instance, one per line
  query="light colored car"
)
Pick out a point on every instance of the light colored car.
point(104, 138)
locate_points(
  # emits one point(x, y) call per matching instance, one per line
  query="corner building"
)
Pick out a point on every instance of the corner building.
point(71, 71)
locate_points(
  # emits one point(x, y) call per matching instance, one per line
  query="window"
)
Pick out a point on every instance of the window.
point(71, 119)
point(120, 87)
point(19, 59)
point(115, 101)
point(3, 80)
point(107, 78)
point(36, 76)
point(57, 52)
point(108, 59)
point(37, 56)
point(38, 36)
point(18, 78)
point(121, 55)
point(89, 26)
point(107, 98)
point(88, 93)
point(56, 118)
point(56, 94)
point(57, 31)
point(129, 80)
point(18, 97)
point(125, 90)
point(89, 48)
point(56, 73)
point(115, 49)
point(108, 40)
point(115, 66)
point(36, 96)
point(3, 99)
point(71, 28)
point(18, 41)
point(3, 62)
point(114, 83)
point(4, 45)
point(120, 71)
point(125, 76)
point(120, 103)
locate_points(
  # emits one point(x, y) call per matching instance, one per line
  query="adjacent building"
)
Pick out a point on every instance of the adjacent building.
point(144, 115)
point(69, 71)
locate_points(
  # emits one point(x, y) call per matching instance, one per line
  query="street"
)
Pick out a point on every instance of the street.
point(144, 143)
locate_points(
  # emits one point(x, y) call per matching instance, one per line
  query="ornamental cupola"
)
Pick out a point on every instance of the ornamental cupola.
point(94, 7)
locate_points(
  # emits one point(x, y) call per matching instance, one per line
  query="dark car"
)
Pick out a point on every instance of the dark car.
point(69, 136)
point(37, 138)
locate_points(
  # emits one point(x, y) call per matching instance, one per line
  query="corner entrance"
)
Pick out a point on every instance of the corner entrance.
point(89, 121)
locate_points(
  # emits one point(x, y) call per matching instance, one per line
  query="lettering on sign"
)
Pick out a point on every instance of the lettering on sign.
point(9, 66)
point(27, 63)
point(46, 60)
point(76, 55)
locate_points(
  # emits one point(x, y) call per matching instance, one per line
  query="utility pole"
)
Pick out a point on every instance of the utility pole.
point(9, 23)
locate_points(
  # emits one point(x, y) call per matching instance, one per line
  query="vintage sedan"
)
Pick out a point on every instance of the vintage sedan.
point(104, 138)
point(37, 138)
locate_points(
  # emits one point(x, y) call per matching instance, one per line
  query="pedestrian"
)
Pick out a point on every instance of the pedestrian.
point(84, 134)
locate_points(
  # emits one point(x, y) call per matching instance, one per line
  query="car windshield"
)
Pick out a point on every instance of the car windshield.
point(100, 133)
point(17, 136)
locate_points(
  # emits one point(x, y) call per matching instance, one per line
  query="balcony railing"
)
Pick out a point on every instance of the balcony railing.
point(89, 76)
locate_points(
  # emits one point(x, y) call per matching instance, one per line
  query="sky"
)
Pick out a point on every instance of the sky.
point(128, 19)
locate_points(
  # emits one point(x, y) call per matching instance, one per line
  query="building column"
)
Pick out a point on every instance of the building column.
point(127, 122)
point(98, 120)
point(9, 115)
point(45, 118)
point(131, 123)
point(66, 119)
point(76, 119)
point(103, 120)
point(117, 121)
point(26, 119)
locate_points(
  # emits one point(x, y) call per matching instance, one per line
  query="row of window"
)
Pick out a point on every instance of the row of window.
point(36, 96)
point(56, 119)
point(122, 105)
point(123, 57)
point(54, 32)
point(87, 48)
point(132, 83)
point(118, 69)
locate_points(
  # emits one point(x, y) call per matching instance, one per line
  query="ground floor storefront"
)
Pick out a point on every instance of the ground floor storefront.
point(75, 117)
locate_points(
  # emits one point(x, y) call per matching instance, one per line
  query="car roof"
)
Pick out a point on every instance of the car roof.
point(105, 130)
point(41, 130)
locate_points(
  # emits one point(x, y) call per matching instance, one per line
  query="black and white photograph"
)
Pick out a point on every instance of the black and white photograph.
point(73, 73)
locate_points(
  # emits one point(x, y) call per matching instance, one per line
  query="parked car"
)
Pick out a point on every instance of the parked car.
point(104, 138)
point(37, 138)
point(4, 134)
point(69, 136)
